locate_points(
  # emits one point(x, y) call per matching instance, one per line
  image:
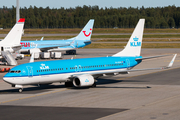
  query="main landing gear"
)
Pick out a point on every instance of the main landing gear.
point(94, 85)
point(71, 52)
point(69, 84)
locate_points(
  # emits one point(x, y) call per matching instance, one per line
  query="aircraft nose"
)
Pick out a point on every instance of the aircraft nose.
point(7, 79)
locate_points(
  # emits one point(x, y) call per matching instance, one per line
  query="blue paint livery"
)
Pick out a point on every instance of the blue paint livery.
point(74, 66)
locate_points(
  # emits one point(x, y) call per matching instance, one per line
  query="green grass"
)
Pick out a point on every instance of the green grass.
point(144, 36)
point(110, 38)
point(144, 40)
point(95, 30)
point(144, 45)
point(100, 37)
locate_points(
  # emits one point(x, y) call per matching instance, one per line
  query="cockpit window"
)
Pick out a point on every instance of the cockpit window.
point(15, 71)
point(12, 71)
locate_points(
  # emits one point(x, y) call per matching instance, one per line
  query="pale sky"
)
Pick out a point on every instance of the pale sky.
point(100, 3)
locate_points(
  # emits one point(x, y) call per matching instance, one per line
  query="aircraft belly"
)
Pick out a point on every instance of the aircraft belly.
point(17, 80)
point(61, 49)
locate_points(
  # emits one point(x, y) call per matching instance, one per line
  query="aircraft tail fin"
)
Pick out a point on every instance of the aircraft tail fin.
point(86, 32)
point(133, 47)
point(14, 36)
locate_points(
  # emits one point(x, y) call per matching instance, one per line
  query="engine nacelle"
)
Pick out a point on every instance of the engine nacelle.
point(83, 81)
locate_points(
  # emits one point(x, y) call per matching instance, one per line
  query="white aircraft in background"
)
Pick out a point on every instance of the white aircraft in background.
point(12, 40)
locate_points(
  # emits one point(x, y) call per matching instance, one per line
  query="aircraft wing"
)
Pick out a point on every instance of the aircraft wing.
point(126, 70)
point(56, 47)
point(160, 68)
point(151, 57)
point(17, 46)
point(44, 47)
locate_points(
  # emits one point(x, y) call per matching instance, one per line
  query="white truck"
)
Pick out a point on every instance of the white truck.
point(56, 55)
point(45, 55)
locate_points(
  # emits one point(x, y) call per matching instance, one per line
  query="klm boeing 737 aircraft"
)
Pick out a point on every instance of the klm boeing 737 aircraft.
point(82, 72)
point(81, 40)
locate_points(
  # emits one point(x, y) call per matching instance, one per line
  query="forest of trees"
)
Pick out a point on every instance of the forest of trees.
point(159, 17)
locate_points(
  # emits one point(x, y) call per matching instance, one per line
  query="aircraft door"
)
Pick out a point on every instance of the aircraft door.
point(78, 68)
point(128, 63)
point(30, 71)
point(2, 48)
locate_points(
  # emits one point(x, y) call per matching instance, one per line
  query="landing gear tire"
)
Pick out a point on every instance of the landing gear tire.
point(71, 52)
point(94, 85)
point(69, 84)
point(20, 90)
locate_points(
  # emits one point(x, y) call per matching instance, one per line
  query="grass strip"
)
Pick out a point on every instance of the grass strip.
point(144, 45)
point(95, 30)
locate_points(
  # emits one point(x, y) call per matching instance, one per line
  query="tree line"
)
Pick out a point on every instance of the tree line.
point(158, 17)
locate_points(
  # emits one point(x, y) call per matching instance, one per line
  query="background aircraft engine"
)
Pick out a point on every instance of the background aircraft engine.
point(83, 81)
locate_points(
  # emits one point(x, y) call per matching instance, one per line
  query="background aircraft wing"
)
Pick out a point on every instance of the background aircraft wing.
point(44, 47)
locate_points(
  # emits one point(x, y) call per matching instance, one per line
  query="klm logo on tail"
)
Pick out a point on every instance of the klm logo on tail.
point(135, 43)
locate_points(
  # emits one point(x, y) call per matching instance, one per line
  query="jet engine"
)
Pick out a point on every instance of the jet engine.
point(83, 81)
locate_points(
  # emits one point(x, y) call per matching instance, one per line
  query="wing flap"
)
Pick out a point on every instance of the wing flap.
point(151, 57)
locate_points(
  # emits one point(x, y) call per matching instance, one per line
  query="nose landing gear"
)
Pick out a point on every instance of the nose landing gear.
point(18, 86)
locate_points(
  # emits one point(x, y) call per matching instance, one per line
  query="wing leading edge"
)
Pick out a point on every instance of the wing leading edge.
point(125, 70)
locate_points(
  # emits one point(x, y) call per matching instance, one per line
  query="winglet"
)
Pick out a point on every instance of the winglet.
point(32, 58)
point(42, 38)
point(172, 61)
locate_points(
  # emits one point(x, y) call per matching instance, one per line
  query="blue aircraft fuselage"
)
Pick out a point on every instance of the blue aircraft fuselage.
point(63, 69)
point(53, 43)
